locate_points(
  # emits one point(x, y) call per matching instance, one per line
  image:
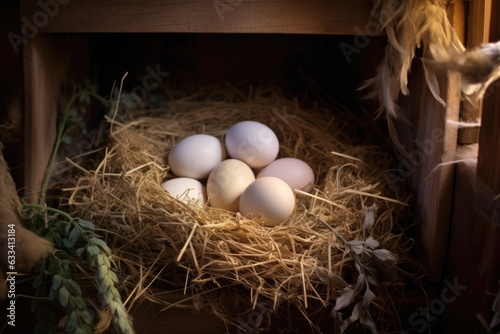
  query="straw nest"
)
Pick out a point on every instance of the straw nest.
point(328, 253)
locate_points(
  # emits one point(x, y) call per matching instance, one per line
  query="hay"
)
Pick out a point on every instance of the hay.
point(163, 244)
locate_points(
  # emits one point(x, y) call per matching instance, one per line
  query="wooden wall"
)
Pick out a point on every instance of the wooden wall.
point(473, 259)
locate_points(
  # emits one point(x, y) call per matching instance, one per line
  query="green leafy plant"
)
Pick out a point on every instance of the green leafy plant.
point(76, 246)
point(78, 249)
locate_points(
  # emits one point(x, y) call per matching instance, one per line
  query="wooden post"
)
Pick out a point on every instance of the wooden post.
point(485, 239)
point(487, 226)
point(45, 68)
point(467, 264)
point(430, 142)
point(478, 32)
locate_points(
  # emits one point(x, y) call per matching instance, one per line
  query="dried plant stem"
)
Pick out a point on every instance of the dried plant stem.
point(60, 133)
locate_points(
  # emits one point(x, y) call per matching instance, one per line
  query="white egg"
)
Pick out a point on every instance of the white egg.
point(195, 156)
point(186, 189)
point(252, 142)
point(269, 196)
point(226, 183)
point(295, 172)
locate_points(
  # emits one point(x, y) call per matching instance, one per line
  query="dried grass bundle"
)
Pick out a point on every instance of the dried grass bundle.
point(340, 241)
point(409, 25)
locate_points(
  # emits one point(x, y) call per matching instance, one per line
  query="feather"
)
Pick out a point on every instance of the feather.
point(409, 24)
point(477, 68)
point(432, 81)
point(393, 134)
point(462, 125)
point(386, 89)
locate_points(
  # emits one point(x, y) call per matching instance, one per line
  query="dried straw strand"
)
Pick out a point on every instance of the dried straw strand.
point(207, 251)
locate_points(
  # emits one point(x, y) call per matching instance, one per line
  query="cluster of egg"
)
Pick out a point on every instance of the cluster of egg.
point(250, 181)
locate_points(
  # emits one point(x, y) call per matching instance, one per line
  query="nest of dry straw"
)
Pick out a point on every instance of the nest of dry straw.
point(338, 249)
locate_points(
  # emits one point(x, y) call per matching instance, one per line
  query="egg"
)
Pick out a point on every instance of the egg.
point(195, 156)
point(295, 172)
point(253, 143)
point(269, 196)
point(226, 183)
point(186, 189)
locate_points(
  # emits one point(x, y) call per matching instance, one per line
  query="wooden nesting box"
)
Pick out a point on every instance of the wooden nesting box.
point(269, 41)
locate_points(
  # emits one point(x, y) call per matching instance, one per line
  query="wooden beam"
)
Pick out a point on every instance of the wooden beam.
point(271, 16)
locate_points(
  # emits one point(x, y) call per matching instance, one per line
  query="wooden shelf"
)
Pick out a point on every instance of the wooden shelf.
point(338, 17)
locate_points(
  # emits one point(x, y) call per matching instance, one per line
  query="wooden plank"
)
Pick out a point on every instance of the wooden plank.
point(495, 21)
point(460, 261)
point(50, 60)
point(485, 276)
point(271, 16)
point(485, 239)
point(478, 31)
point(478, 23)
point(45, 68)
point(430, 141)
point(474, 259)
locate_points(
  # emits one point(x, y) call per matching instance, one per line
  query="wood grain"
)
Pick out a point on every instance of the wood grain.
point(271, 16)
point(430, 142)
point(45, 68)
point(474, 254)
point(495, 21)
point(474, 248)
point(50, 61)
point(486, 242)
point(461, 257)
point(478, 32)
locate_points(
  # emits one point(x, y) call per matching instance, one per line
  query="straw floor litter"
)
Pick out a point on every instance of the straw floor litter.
point(327, 247)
